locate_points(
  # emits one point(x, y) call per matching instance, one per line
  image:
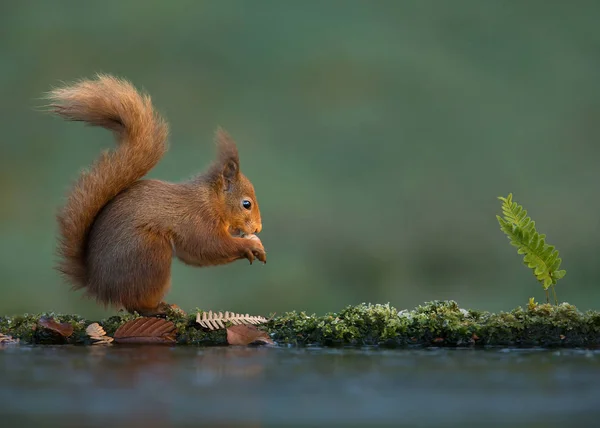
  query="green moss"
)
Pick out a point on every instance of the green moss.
point(355, 325)
point(26, 328)
point(437, 323)
point(440, 323)
point(191, 333)
point(542, 325)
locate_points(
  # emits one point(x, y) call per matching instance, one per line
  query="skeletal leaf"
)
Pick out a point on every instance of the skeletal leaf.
point(95, 330)
point(146, 330)
point(246, 334)
point(7, 340)
point(64, 329)
point(216, 321)
point(104, 340)
point(97, 334)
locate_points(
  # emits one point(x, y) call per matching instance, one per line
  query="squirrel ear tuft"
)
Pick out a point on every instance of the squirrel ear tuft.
point(229, 161)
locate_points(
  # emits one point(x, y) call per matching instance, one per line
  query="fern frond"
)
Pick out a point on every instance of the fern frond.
point(216, 321)
point(542, 258)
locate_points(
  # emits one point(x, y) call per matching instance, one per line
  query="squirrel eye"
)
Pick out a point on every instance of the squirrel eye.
point(247, 204)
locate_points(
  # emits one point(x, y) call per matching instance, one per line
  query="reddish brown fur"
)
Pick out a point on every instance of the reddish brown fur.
point(118, 232)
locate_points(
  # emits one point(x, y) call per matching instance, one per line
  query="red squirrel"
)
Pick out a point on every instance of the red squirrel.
point(118, 233)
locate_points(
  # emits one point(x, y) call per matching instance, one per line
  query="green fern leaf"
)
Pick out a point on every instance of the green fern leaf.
point(542, 258)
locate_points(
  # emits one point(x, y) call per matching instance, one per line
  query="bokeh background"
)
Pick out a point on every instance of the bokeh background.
point(378, 136)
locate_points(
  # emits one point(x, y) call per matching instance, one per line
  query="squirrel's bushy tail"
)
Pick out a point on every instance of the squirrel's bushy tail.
point(141, 135)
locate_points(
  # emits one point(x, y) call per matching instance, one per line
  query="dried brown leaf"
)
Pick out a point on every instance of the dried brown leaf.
point(216, 321)
point(146, 330)
point(64, 329)
point(244, 334)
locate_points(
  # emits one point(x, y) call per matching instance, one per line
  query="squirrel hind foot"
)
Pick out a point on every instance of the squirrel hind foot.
point(161, 311)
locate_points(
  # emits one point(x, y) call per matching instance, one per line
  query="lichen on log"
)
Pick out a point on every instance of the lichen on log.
point(437, 324)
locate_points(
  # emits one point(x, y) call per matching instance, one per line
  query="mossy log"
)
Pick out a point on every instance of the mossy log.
point(434, 324)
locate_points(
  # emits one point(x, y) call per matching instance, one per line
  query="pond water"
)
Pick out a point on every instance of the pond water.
point(158, 386)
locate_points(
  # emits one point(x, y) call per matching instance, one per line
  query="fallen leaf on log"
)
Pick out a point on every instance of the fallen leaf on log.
point(97, 334)
point(64, 329)
point(146, 330)
point(246, 334)
point(214, 321)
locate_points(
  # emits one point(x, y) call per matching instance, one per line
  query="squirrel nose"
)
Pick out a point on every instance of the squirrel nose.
point(259, 228)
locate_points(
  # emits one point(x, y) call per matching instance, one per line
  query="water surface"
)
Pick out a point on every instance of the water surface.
point(149, 386)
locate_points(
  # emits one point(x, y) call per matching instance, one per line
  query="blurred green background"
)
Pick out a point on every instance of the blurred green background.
point(378, 136)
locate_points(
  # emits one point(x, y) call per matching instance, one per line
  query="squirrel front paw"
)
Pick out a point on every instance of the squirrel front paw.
point(255, 249)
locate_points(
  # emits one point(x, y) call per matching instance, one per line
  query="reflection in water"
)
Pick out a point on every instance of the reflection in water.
point(161, 386)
